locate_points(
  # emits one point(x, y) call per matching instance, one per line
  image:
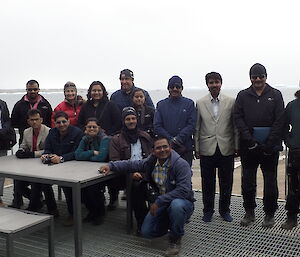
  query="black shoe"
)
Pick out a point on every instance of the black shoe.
point(89, 217)
point(290, 222)
point(269, 221)
point(248, 219)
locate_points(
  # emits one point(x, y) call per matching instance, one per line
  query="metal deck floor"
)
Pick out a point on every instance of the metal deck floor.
point(217, 238)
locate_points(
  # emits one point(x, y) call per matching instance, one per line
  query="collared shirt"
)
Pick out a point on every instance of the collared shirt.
point(215, 106)
point(136, 151)
point(160, 174)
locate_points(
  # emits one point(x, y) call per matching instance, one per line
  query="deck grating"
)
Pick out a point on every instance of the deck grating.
point(217, 238)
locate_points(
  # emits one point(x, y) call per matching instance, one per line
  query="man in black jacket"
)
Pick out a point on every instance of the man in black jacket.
point(6, 134)
point(32, 100)
point(258, 115)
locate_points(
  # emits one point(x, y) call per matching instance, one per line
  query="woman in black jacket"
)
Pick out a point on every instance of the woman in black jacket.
point(98, 106)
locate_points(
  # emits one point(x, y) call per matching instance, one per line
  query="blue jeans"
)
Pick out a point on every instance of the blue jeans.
point(171, 217)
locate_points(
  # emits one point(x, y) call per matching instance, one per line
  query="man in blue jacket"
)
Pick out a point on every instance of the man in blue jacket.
point(169, 191)
point(123, 97)
point(60, 146)
point(175, 119)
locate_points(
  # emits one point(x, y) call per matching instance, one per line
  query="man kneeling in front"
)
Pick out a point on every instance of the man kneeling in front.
point(168, 179)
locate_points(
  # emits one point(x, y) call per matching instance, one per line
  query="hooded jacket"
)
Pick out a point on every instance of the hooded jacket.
point(178, 183)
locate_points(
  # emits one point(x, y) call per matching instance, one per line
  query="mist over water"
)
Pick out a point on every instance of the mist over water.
point(55, 97)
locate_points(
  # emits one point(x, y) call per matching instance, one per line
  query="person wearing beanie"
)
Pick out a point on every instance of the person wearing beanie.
point(258, 115)
point(70, 105)
point(292, 141)
point(130, 144)
point(123, 96)
point(175, 119)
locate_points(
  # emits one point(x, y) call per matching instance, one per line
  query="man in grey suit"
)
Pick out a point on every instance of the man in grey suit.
point(216, 145)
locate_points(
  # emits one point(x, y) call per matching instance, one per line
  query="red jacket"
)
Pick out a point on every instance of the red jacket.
point(73, 112)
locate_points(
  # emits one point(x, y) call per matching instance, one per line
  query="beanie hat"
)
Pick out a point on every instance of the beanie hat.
point(127, 73)
point(257, 69)
point(128, 111)
point(69, 84)
point(175, 80)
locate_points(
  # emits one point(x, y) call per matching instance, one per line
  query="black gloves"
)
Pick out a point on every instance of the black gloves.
point(24, 154)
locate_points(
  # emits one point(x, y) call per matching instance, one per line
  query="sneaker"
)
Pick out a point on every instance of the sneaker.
point(174, 247)
point(69, 221)
point(290, 222)
point(207, 217)
point(227, 217)
point(269, 221)
point(248, 219)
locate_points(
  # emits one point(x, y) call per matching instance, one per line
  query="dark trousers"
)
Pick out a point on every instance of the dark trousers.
point(188, 156)
point(69, 199)
point(138, 198)
point(21, 188)
point(225, 166)
point(268, 164)
point(293, 172)
point(35, 199)
point(114, 186)
point(94, 199)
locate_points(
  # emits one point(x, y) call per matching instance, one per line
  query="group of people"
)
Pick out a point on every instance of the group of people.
point(157, 146)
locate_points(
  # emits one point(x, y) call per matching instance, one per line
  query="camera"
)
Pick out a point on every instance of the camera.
point(47, 159)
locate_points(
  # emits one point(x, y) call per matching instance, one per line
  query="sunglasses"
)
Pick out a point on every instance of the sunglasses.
point(91, 127)
point(32, 89)
point(258, 76)
point(61, 122)
point(173, 86)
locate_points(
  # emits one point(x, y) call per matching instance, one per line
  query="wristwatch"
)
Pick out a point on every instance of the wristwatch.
point(61, 159)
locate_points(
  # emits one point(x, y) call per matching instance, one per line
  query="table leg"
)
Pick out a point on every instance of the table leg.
point(10, 246)
point(51, 237)
point(76, 196)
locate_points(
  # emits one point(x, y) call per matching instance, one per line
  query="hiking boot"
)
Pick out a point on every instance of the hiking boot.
point(174, 247)
point(248, 219)
point(269, 221)
point(290, 222)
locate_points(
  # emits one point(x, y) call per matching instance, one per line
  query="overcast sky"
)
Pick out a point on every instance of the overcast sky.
point(81, 41)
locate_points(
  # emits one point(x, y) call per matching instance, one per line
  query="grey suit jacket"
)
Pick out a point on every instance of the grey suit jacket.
point(27, 140)
point(212, 131)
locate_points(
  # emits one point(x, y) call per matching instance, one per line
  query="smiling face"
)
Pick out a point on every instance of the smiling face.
point(70, 94)
point(96, 93)
point(175, 91)
point(32, 91)
point(92, 129)
point(62, 124)
point(258, 81)
point(130, 121)
point(162, 149)
point(214, 87)
point(138, 98)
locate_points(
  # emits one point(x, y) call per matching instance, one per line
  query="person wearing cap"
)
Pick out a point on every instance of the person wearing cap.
point(130, 144)
point(258, 115)
point(70, 105)
point(292, 140)
point(123, 96)
point(175, 119)
point(216, 143)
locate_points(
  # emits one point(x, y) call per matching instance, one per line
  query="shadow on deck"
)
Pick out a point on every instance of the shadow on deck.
point(217, 238)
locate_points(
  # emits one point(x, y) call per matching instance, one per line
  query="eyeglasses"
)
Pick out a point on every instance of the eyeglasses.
point(176, 85)
point(214, 82)
point(258, 76)
point(61, 122)
point(91, 127)
point(32, 89)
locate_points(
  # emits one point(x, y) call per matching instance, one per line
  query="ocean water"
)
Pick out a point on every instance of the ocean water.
point(56, 96)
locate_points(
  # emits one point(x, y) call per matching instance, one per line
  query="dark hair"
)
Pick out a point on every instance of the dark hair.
point(297, 94)
point(137, 89)
point(32, 112)
point(213, 75)
point(92, 119)
point(94, 83)
point(157, 137)
point(61, 114)
point(31, 82)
